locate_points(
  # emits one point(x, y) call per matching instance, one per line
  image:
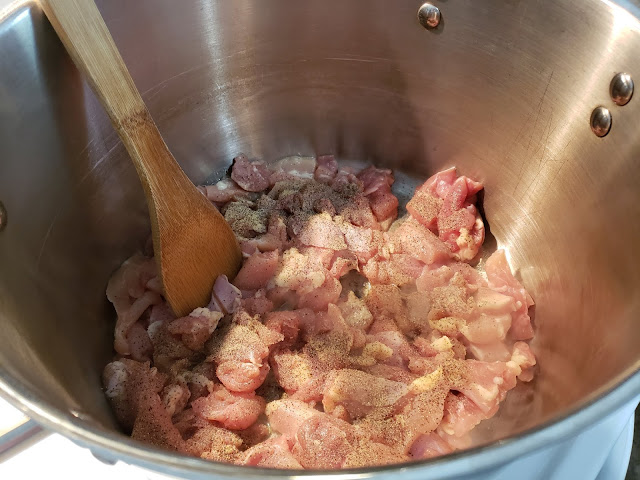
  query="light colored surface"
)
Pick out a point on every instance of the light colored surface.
point(57, 454)
point(10, 417)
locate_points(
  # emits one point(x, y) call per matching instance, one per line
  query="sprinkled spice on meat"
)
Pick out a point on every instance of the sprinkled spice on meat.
point(349, 337)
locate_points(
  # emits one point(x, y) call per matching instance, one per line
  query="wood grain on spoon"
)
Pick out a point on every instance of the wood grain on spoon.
point(193, 243)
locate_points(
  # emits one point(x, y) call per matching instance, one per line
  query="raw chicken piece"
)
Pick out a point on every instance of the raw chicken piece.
point(487, 329)
point(390, 372)
point(287, 323)
point(251, 176)
point(355, 312)
point(292, 370)
point(129, 292)
point(429, 446)
point(127, 384)
point(272, 453)
point(205, 439)
point(404, 368)
point(224, 191)
point(327, 293)
point(236, 411)
point(326, 168)
point(133, 389)
point(312, 282)
point(139, 343)
point(324, 442)
point(225, 297)
point(401, 349)
point(286, 416)
point(299, 273)
point(240, 351)
point(175, 398)
point(377, 187)
point(242, 376)
point(488, 382)
point(321, 231)
point(258, 304)
point(358, 210)
point(460, 415)
point(167, 348)
point(423, 412)
point(360, 393)
point(257, 270)
point(459, 223)
point(368, 453)
point(364, 242)
point(196, 328)
point(153, 426)
point(293, 168)
point(502, 280)
point(445, 204)
point(398, 269)
point(414, 239)
point(347, 182)
point(524, 358)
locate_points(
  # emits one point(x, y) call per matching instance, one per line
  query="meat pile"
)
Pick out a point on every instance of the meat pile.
point(347, 339)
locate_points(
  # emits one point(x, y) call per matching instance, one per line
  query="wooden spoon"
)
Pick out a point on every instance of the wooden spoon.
point(193, 244)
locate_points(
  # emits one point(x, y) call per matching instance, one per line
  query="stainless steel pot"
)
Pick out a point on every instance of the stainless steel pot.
point(502, 89)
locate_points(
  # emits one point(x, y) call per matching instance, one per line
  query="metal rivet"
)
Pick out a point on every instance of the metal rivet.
point(600, 121)
point(429, 16)
point(621, 88)
point(3, 217)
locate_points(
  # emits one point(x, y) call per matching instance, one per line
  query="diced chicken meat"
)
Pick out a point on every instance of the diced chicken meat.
point(347, 339)
point(232, 410)
point(250, 176)
point(326, 168)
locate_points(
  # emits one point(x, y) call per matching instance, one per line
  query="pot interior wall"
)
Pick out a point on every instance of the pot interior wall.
point(502, 90)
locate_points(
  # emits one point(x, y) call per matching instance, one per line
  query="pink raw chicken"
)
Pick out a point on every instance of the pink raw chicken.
point(132, 289)
point(272, 453)
point(377, 187)
point(196, 328)
point(225, 297)
point(502, 280)
point(293, 168)
point(224, 191)
point(257, 270)
point(326, 169)
point(251, 176)
point(445, 204)
point(362, 341)
point(236, 411)
point(287, 416)
point(360, 393)
point(324, 442)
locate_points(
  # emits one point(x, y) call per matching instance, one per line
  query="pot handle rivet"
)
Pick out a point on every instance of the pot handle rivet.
point(429, 16)
point(600, 121)
point(621, 88)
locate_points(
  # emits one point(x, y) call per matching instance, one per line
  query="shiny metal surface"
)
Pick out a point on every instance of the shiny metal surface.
point(600, 121)
point(621, 88)
point(429, 16)
point(504, 92)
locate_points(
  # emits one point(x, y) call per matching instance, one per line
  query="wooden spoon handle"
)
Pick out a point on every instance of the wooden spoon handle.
point(83, 32)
